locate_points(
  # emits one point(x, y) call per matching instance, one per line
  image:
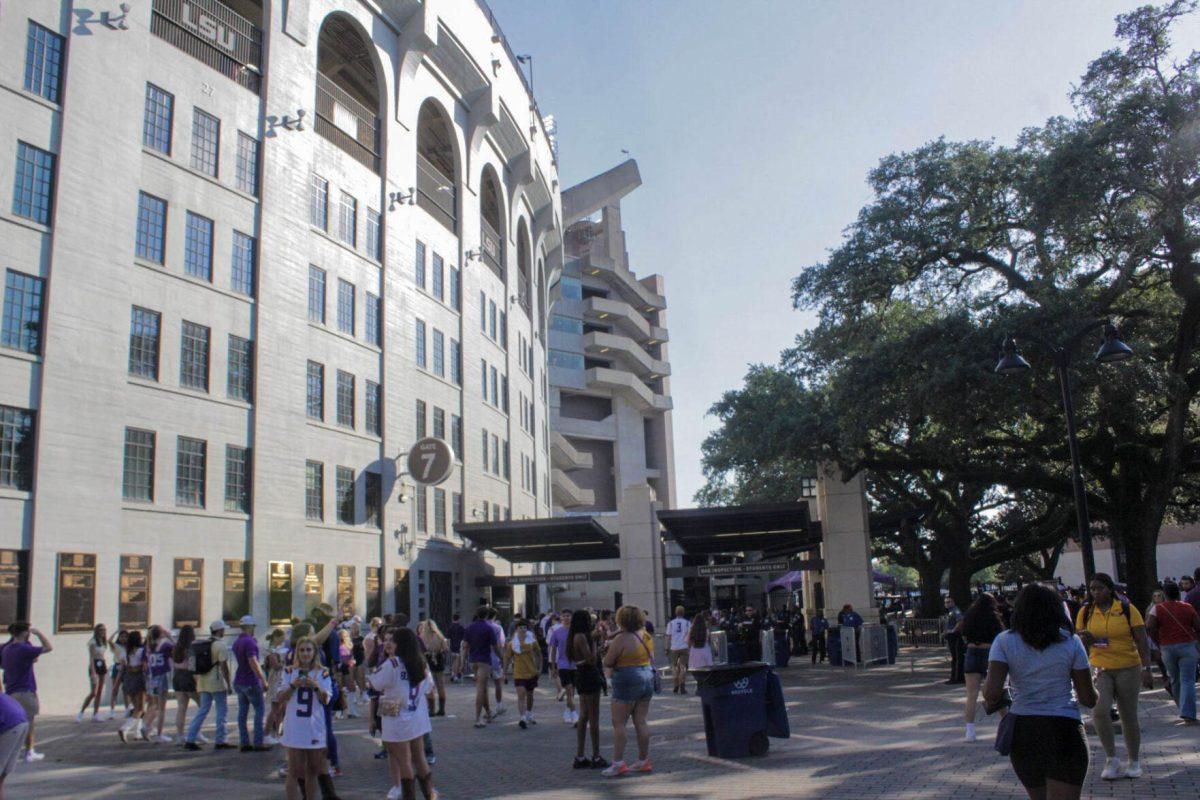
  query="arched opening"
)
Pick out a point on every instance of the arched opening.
point(523, 271)
point(490, 240)
point(347, 91)
point(437, 184)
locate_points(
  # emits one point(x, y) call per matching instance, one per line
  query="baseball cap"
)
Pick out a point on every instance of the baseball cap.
point(217, 625)
point(247, 621)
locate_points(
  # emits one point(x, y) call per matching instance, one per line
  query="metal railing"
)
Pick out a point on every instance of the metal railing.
point(436, 193)
point(922, 631)
point(213, 34)
point(489, 243)
point(347, 123)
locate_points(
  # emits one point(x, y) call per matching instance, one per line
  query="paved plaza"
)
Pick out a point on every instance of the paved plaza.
point(889, 732)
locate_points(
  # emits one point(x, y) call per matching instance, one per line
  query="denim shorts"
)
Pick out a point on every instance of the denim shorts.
point(976, 660)
point(158, 685)
point(630, 684)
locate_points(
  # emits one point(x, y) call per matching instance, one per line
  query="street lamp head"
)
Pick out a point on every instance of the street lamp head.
point(1113, 349)
point(1011, 362)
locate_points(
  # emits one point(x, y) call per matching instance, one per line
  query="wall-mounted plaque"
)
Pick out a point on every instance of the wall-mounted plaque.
point(76, 592)
point(14, 586)
point(133, 604)
point(314, 586)
point(189, 592)
point(235, 591)
point(345, 589)
point(374, 594)
point(403, 601)
point(279, 592)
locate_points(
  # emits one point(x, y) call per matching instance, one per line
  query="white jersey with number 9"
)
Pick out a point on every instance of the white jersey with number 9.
point(304, 722)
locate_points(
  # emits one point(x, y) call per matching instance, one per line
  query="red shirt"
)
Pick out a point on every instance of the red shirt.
point(1175, 624)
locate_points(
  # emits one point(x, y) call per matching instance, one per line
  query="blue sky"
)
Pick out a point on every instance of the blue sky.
point(754, 125)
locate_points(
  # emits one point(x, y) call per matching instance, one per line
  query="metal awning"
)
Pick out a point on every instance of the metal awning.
point(776, 529)
point(524, 541)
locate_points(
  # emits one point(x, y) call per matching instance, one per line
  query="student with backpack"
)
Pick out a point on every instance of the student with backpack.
point(211, 657)
point(1119, 652)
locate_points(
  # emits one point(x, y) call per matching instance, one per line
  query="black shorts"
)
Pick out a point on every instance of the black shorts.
point(976, 661)
point(99, 667)
point(1051, 748)
point(588, 679)
point(566, 676)
point(183, 680)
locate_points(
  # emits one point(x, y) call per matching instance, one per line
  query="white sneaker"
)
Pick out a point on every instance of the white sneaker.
point(567, 716)
point(970, 737)
point(33, 755)
point(574, 717)
point(164, 739)
point(202, 739)
point(97, 718)
point(500, 709)
point(1135, 770)
point(395, 793)
point(79, 718)
point(1112, 770)
point(270, 741)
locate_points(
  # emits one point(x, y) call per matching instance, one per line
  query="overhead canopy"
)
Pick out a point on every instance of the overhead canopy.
point(777, 529)
point(524, 541)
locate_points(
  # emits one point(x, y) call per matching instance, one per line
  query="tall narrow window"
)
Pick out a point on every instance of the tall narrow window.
point(419, 265)
point(151, 227)
point(198, 247)
point(485, 449)
point(246, 174)
point(345, 306)
point(439, 512)
point(318, 202)
point(34, 183)
point(22, 312)
point(316, 391)
point(456, 361)
point(419, 333)
point(190, 463)
point(43, 62)
point(372, 323)
point(373, 403)
point(159, 118)
point(348, 220)
point(240, 381)
point(456, 506)
point(138, 481)
point(495, 454)
point(144, 343)
point(456, 435)
point(439, 353)
point(483, 312)
point(437, 268)
point(455, 289)
point(374, 234)
point(237, 479)
point(422, 510)
point(242, 270)
point(314, 490)
point(373, 488)
point(495, 387)
point(345, 399)
point(439, 422)
point(16, 448)
point(206, 142)
point(507, 461)
point(193, 356)
point(421, 428)
point(345, 495)
point(492, 315)
point(316, 294)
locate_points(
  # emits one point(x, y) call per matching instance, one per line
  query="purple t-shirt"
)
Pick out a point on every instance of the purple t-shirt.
point(16, 660)
point(480, 636)
point(558, 641)
point(11, 714)
point(159, 661)
point(244, 649)
point(1193, 597)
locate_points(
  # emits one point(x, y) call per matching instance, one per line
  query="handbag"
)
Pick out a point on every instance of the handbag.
point(656, 677)
point(390, 708)
point(1004, 734)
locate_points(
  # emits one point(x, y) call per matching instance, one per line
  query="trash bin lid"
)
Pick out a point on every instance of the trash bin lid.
point(721, 674)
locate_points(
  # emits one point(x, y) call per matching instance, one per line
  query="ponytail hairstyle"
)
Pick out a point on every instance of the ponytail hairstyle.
point(408, 650)
point(187, 635)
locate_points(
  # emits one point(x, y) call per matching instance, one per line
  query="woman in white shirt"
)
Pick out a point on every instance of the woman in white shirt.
point(306, 689)
point(404, 683)
point(97, 671)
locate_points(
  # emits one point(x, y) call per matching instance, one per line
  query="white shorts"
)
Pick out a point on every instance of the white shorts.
point(11, 742)
point(397, 729)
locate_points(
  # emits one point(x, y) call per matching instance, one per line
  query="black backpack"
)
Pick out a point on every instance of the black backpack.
point(202, 652)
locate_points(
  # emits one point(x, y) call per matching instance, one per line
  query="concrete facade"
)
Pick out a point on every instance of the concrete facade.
point(444, 82)
point(610, 395)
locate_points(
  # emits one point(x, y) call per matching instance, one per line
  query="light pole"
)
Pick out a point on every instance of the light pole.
point(1110, 352)
point(528, 59)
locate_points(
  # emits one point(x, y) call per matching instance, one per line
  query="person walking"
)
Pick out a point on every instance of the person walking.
point(630, 656)
point(133, 680)
point(581, 649)
point(481, 642)
point(13, 727)
point(344, 669)
point(1044, 663)
point(953, 641)
point(404, 683)
point(819, 627)
point(306, 685)
point(1175, 625)
point(210, 660)
point(97, 670)
point(1192, 595)
point(498, 677)
point(700, 654)
point(17, 657)
point(159, 649)
point(1115, 635)
point(525, 657)
point(117, 677)
point(1156, 658)
point(183, 680)
point(978, 628)
point(557, 644)
point(454, 637)
point(437, 650)
point(250, 684)
point(677, 644)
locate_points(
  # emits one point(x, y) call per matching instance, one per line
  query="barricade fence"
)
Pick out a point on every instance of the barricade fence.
point(922, 631)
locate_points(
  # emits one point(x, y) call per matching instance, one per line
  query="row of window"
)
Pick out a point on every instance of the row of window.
point(496, 460)
point(493, 321)
point(438, 279)
point(158, 124)
point(21, 318)
point(345, 491)
point(346, 223)
point(441, 360)
point(527, 413)
point(494, 386)
point(421, 506)
point(346, 307)
point(525, 354)
point(422, 426)
point(195, 345)
point(191, 471)
point(529, 474)
point(151, 245)
point(344, 399)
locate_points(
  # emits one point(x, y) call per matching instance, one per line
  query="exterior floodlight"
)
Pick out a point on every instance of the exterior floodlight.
point(1113, 349)
point(1011, 361)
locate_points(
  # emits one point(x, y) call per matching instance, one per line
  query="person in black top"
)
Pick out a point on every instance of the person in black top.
point(979, 626)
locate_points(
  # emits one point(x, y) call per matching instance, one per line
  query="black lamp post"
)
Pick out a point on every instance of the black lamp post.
point(1111, 351)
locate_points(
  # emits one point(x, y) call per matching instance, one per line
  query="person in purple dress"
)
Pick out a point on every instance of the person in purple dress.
point(159, 649)
point(16, 660)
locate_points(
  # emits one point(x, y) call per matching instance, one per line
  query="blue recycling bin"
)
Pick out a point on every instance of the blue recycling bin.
point(743, 705)
point(833, 645)
point(735, 652)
